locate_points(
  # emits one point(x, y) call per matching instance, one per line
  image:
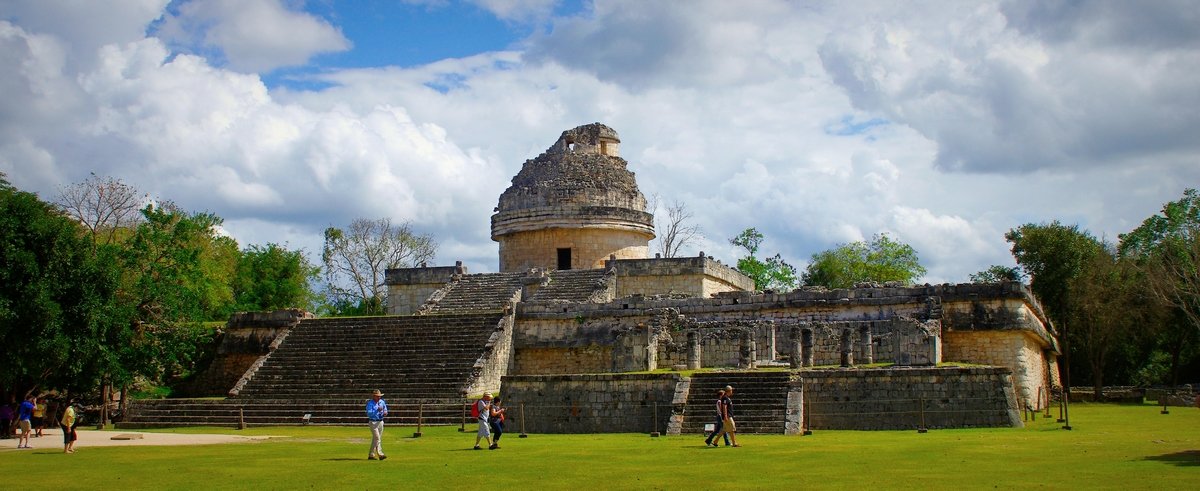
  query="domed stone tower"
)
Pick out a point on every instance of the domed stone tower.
point(573, 206)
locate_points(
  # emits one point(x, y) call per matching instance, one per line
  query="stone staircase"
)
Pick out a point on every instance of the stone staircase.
point(759, 401)
point(327, 368)
point(574, 285)
point(482, 292)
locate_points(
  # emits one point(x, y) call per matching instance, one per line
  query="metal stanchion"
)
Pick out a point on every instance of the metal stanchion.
point(420, 416)
point(522, 435)
point(922, 428)
point(462, 423)
point(655, 433)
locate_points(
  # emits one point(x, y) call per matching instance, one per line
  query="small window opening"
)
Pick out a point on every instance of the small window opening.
point(564, 258)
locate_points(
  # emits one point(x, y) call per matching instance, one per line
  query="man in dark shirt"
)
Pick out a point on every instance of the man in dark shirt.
point(729, 428)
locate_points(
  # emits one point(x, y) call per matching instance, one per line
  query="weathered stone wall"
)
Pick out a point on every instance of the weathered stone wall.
point(590, 247)
point(592, 358)
point(896, 398)
point(1015, 350)
point(247, 337)
point(688, 276)
point(495, 361)
point(408, 288)
point(608, 403)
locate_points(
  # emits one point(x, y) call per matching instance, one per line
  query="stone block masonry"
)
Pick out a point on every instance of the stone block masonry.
point(602, 403)
point(898, 398)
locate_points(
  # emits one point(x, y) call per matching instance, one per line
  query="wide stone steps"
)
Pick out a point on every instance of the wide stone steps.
point(480, 292)
point(328, 367)
point(759, 401)
point(229, 412)
point(576, 285)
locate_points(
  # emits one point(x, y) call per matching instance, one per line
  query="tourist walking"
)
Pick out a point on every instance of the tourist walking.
point(24, 417)
point(6, 420)
point(496, 420)
point(711, 440)
point(481, 409)
point(728, 427)
point(376, 411)
point(68, 423)
point(39, 416)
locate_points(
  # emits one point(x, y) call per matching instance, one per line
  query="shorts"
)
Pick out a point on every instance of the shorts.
point(729, 426)
point(484, 430)
point(23, 425)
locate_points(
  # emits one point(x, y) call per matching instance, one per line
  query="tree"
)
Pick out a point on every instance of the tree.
point(105, 206)
point(772, 274)
point(356, 258)
point(271, 277)
point(997, 273)
point(676, 232)
point(176, 273)
point(1052, 254)
point(56, 297)
point(1166, 247)
point(1107, 302)
point(882, 260)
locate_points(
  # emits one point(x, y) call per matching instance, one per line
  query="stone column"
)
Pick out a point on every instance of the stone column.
point(749, 349)
point(847, 348)
point(796, 358)
point(651, 348)
point(771, 351)
point(866, 349)
point(694, 351)
point(806, 347)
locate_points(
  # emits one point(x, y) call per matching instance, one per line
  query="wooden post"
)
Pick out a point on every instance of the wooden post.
point(241, 418)
point(462, 423)
point(420, 415)
point(655, 433)
point(922, 428)
point(522, 435)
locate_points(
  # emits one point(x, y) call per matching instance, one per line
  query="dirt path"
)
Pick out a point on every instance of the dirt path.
point(52, 438)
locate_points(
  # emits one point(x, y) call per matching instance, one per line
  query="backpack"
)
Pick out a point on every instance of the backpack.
point(475, 410)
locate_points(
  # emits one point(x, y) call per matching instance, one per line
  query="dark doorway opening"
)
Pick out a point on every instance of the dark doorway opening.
point(564, 258)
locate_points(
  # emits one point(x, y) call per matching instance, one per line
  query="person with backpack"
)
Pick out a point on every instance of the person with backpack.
point(496, 420)
point(480, 411)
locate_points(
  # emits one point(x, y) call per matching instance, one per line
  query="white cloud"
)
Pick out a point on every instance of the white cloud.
point(256, 36)
point(817, 125)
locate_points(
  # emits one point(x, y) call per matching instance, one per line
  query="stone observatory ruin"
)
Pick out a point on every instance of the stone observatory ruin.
point(585, 333)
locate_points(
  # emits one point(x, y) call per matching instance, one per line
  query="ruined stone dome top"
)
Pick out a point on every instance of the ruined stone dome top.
point(579, 181)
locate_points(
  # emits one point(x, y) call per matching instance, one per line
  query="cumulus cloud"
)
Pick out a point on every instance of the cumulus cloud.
point(1001, 90)
point(254, 36)
point(943, 125)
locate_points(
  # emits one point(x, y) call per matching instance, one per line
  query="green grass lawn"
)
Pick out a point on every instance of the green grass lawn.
point(1110, 447)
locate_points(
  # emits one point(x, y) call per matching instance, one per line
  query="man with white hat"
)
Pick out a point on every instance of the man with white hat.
point(376, 411)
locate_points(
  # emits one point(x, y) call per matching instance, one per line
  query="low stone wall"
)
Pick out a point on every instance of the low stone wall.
point(606, 403)
point(898, 398)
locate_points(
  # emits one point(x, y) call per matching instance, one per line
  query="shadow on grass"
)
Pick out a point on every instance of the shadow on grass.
point(1186, 458)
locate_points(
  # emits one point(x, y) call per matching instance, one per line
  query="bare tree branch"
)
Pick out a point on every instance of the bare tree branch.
point(357, 258)
point(676, 231)
point(104, 205)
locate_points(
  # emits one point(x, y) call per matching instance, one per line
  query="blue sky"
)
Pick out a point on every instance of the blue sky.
point(943, 124)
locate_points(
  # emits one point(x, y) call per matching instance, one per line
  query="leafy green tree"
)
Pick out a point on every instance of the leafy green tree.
point(173, 278)
point(1053, 255)
point(356, 258)
point(271, 277)
point(1108, 303)
point(882, 260)
point(1166, 246)
point(56, 297)
point(772, 274)
point(997, 273)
